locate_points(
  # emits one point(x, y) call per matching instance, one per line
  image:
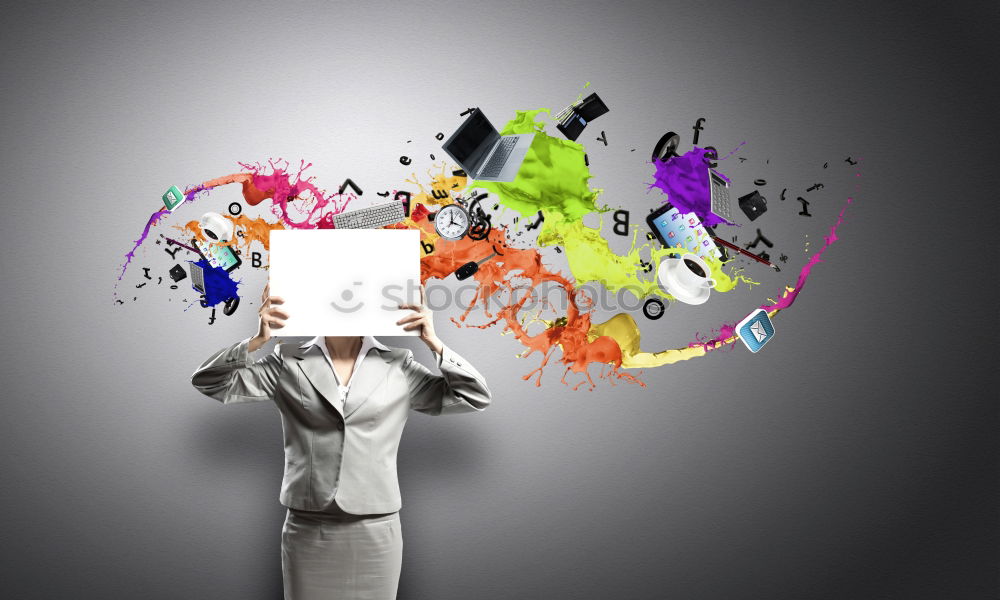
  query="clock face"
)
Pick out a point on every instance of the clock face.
point(452, 222)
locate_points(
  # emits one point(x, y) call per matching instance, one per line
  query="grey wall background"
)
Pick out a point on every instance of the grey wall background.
point(855, 457)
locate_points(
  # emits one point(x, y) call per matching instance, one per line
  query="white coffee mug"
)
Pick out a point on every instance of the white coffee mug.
point(692, 272)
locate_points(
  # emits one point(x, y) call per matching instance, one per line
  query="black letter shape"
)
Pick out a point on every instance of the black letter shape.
point(805, 207)
point(621, 223)
point(354, 186)
point(711, 154)
point(653, 309)
point(697, 129)
point(537, 223)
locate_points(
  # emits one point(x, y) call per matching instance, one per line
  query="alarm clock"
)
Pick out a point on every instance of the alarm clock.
point(452, 222)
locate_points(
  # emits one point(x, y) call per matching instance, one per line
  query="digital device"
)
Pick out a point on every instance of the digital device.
point(722, 206)
point(217, 255)
point(452, 222)
point(675, 229)
point(483, 153)
point(345, 281)
point(371, 217)
point(755, 330)
point(172, 198)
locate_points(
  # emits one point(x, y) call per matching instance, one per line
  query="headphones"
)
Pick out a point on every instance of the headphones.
point(216, 227)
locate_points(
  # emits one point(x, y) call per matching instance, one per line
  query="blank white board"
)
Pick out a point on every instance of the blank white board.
point(345, 281)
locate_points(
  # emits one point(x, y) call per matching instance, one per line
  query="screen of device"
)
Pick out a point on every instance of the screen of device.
point(684, 230)
point(218, 256)
point(467, 145)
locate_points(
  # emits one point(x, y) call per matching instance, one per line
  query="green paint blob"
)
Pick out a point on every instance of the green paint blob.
point(554, 180)
point(553, 176)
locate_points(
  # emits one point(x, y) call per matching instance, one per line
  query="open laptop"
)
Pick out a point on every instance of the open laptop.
point(483, 153)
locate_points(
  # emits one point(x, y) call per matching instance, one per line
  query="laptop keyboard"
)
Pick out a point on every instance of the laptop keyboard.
point(721, 205)
point(499, 158)
point(371, 217)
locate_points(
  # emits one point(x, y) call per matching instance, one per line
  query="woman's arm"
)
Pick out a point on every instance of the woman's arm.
point(230, 375)
point(459, 388)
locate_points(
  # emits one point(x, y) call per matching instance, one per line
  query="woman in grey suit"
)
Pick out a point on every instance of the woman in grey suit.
point(343, 403)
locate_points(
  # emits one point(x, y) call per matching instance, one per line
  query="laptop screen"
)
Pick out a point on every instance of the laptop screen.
point(471, 142)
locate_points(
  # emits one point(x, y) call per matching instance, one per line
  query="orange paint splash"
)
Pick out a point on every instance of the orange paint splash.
point(516, 270)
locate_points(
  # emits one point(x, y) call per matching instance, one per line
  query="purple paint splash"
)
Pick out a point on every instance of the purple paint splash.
point(684, 179)
point(153, 218)
point(189, 196)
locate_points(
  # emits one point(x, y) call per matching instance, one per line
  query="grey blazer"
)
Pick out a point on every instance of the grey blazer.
point(329, 455)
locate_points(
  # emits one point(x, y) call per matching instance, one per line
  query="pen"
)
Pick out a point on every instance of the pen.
point(745, 253)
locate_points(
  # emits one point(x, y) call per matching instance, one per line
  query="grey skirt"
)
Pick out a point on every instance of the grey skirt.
point(343, 557)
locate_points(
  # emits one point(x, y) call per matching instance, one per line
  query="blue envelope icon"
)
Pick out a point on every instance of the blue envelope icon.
point(756, 330)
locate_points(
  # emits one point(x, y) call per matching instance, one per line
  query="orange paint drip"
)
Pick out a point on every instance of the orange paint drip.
point(442, 186)
point(254, 230)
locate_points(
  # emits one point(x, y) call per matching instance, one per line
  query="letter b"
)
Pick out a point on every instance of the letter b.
point(621, 222)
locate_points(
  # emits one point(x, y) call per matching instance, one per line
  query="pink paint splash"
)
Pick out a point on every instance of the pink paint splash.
point(727, 331)
point(257, 186)
point(278, 186)
point(789, 296)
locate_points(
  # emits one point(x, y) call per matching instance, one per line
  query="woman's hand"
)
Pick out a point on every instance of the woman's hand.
point(422, 319)
point(270, 318)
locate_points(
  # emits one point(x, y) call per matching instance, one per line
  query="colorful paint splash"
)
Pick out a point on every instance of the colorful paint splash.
point(219, 285)
point(553, 182)
point(684, 179)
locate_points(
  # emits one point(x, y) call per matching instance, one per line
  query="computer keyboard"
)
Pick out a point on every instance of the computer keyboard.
point(371, 217)
point(499, 158)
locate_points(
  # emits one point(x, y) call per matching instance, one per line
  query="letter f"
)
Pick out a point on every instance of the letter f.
point(698, 128)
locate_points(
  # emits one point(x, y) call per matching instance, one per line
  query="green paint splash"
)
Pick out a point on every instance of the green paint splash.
point(554, 179)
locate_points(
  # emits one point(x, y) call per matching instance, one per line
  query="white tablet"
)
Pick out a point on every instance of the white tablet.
point(345, 281)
